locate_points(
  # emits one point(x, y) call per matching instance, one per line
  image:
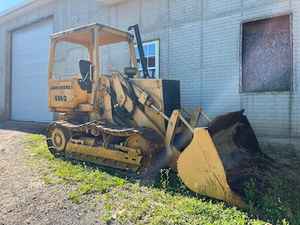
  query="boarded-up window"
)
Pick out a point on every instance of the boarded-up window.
point(267, 55)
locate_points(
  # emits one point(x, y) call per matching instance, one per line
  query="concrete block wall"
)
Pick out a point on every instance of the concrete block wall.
point(295, 115)
point(182, 40)
point(200, 44)
point(220, 81)
point(2, 76)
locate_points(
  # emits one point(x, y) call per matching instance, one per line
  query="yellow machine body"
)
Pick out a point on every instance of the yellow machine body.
point(66, 95)
point(126, 123)
point(206, 175)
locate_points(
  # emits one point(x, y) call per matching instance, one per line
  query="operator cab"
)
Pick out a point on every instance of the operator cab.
point(76, 65)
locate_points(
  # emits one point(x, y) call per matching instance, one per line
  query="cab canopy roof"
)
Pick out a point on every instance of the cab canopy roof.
point(84, 35)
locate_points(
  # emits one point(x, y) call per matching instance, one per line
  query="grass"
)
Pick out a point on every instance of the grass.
point(55, 171)
point(280, 204)
point(167, 202)
point(143, 205)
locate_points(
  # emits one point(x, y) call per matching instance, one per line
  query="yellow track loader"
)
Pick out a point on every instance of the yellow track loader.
point(127, 121)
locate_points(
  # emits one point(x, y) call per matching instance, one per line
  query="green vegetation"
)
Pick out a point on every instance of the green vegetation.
point(167, 202)
point(279, 205)
point(142, 205)
point(56, 171)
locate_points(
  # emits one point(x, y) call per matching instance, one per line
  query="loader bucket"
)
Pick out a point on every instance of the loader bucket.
point(202, 171)
point(221, 161)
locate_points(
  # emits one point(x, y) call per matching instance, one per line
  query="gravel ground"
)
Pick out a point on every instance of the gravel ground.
point(24, 198)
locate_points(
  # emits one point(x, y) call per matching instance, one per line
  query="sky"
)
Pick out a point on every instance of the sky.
point(6, 4)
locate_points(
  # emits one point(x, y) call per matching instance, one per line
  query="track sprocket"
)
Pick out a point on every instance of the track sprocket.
point(57, 139)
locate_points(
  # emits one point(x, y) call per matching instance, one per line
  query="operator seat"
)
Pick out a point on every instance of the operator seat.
point(86, 71)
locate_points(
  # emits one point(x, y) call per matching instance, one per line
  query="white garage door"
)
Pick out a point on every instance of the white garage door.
point(30, 48)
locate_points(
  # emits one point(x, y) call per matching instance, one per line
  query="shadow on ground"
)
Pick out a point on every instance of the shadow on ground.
point(26, 127)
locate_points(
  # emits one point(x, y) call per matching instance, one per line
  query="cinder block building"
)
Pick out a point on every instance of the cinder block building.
point(228, 54)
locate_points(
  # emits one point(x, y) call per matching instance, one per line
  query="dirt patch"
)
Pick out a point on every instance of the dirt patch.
point(25, 199)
